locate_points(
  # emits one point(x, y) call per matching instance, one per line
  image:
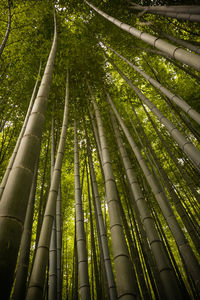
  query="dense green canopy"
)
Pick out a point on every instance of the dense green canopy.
point(158, 101)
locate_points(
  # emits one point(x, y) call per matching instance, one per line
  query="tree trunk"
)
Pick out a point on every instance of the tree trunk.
point(185, 250)
point(23, 260)
point(175, 63)
point(186, 146)
point(182, 55)
point(102, 231)
point(84, 286)
point(164, 267)
point(174, 98)
point(14, 200)
point(124, 277)
point(179, 207)
point(93, 246)
point(37, 279)
point(59, 243)
point(192, 9)
point(52, 282)
point(52, 286)
point(42, 203)
point(181, 13)
point(12, 159)
point(3, 44)
point(180, 42)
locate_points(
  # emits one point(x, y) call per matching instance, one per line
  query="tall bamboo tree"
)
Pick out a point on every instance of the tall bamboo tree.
point(187, 146)
point(37, 279)
point(23, 260)
point(84, 286)
point(15, 197)
point(59, 243)
point(12, 159)
point(187, 12)
point(185, 249)
point(52, 284)
point(176, 99)
point(3, 44)
point(125, 285)
point(102, 231)
point(165, 270)
point(190, 59)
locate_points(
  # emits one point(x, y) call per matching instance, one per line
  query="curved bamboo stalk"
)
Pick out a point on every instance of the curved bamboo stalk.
point(15, 197)
point(52, 283)
point(175, 63)
point(144, 244)
point(12, 159)
point(23, 260)
point(84, 285)
point(124, 277)
point(52, 276)
point(75, 268)
point(182, 55)
point(186, 146)
point(174, 98)
point(59, 244)
point(3, 44)
point(179, 207)
point(185, 249)
point(174, 159)
point(137, 257)
point(102, 231)
point(180, 42)
point(93, 246)
point(192, 9)
point(96, 136)
point(107, 285)
point(166, 273)
point(42, 201)
point(37, 279)
point(190, 13)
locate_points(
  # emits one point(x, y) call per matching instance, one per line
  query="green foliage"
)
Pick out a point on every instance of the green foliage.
point(80, 31)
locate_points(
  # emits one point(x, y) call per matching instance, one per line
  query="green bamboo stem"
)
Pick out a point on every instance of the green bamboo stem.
point(125, 285)
point(84, 286)
point(37, 279)
point(15, 197)
point(185, 250)
point(182, 55)
point(174, 98)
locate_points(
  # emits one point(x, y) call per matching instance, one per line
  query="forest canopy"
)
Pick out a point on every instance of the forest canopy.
point(99, 149)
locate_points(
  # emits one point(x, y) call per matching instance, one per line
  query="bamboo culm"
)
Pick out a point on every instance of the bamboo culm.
point(185, 249)
point(181, 13)
point(182, 55)
point(179, 207)
point(186, 146)
point(166, 273)
point(102, 231)
point(180, 42)
point(174, 159)
point(12, 159)
point(125, 284)
point(15, 197)
point(3, 44)
point(84, 286)
point(174, 98)
point(93, 246)
point(37, 279)
point(52, 283)
point(59, 243)
point(23, 260)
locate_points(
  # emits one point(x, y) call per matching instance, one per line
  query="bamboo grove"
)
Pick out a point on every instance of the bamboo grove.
point(99, 150)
